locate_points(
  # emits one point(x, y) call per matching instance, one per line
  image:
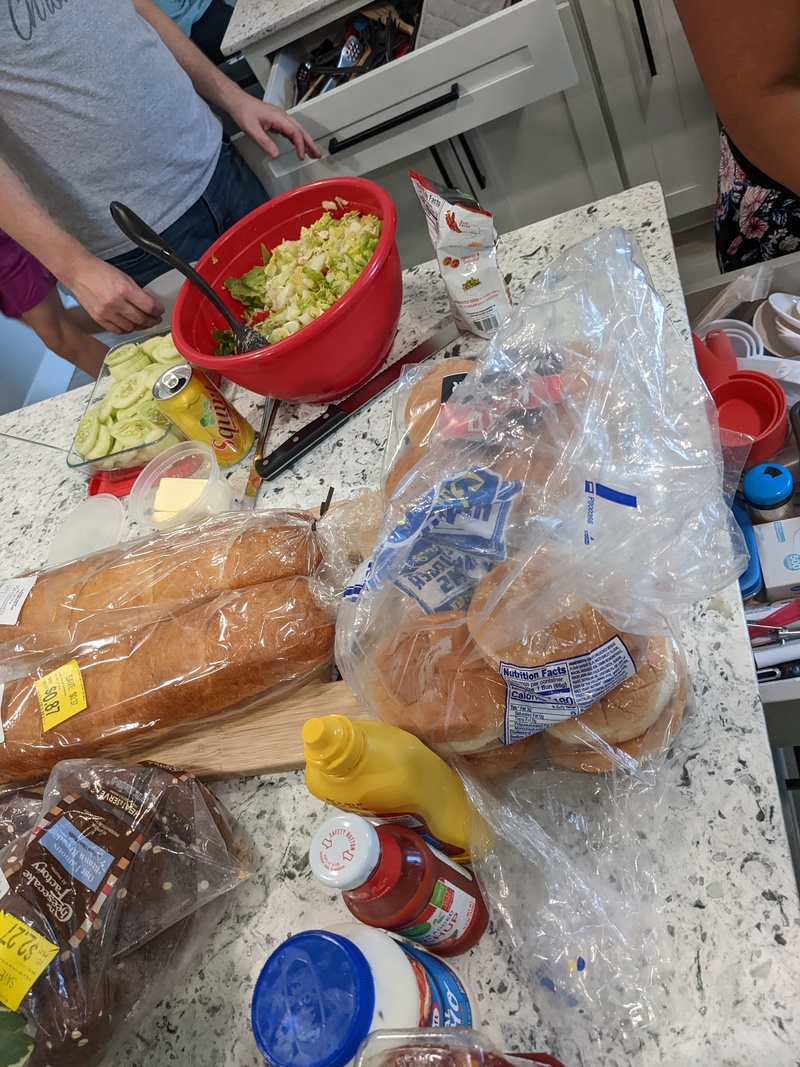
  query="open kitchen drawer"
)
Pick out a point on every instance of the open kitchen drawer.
point(471, 77)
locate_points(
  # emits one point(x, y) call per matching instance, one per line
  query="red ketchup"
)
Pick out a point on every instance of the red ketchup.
point(391, 878)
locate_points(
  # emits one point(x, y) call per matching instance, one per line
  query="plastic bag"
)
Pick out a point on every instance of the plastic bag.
point(157, 635)
point(116, 886)
point(519, 611)
point(86, 598)
point(464, 240)
point(436, 1047)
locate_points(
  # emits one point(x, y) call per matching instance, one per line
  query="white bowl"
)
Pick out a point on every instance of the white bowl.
point(785, 307)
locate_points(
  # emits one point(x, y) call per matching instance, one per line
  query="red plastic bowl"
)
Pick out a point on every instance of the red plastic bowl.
point(337, 352)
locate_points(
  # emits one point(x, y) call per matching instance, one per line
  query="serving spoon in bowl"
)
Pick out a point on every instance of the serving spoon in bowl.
point(246, 339)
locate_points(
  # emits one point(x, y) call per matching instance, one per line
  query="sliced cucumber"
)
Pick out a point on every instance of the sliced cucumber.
point(86, 434)
point(131, 432)
point(103, 443)
point(166, 352)
point(138, 361)
point(120, 355)
point(105, 409)
point(150, 345)
point(150, 412)
point(131, 390)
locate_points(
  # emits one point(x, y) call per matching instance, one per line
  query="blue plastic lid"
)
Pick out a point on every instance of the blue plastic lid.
point(768, 485)
point(751, 581)
point(313, 1002)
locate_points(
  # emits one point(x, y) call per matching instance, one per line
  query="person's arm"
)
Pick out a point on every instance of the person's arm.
point(252, 116)
point(110, 297)
point(748, 55)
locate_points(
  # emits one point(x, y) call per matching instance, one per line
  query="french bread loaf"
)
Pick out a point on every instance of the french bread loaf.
point(239, 550)
point(160, 676)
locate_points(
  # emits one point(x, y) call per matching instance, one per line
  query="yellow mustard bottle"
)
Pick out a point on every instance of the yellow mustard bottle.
point(384, 772)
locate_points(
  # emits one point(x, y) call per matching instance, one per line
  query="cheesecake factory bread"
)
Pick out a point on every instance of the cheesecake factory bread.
point(160, 676)
point(143, 576)
point(117, 885)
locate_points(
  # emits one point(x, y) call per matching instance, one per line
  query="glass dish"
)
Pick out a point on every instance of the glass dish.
point(121, 458)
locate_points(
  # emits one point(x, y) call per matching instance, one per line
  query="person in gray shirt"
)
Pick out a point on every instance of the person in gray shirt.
point(105, 100)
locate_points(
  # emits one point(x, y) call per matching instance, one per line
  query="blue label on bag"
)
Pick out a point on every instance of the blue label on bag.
point(447, 540)
point(82, 858)
point(448, 1003)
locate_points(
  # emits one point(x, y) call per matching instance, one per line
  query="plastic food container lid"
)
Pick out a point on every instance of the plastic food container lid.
point(768, 485)
point(97, 523)
point(313, 1002)
point(193, 460)
point(751, 581)
point(344, 852)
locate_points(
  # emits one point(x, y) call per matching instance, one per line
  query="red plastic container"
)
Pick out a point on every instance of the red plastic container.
point(337, 352)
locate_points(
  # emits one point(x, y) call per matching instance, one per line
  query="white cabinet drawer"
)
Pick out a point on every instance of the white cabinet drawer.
point(462, 81)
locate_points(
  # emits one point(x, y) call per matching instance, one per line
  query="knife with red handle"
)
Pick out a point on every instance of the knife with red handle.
point(336, 415)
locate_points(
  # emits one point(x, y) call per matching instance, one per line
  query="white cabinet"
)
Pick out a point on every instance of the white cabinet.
point(656, 106)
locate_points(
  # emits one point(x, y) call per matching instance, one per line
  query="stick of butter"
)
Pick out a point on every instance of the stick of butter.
point(176, 494)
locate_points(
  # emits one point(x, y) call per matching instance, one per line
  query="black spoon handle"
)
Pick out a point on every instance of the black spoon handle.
point(136, 230)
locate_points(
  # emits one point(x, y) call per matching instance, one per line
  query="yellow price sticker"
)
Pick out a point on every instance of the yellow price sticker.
point(61, 694)
point(24, 954)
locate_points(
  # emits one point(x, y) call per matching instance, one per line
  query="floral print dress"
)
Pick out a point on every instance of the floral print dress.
point(757, 218)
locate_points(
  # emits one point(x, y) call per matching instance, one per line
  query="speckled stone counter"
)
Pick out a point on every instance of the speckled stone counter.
point(731, 906)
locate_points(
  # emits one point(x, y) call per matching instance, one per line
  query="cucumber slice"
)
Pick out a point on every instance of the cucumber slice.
point(121, 414)
point(150, 412)
point(150, 345)
point(120, 355)
point(105, 409)
point(153, 373)
point(102, 445)
point(131, 390)
point(138, 361)
point(166, 352)
point(87, 432)
point(131, 432)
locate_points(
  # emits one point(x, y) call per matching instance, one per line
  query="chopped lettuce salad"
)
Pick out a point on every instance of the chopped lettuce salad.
point(301, 279)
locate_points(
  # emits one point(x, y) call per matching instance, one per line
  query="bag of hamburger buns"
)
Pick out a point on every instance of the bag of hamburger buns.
point(549, 517)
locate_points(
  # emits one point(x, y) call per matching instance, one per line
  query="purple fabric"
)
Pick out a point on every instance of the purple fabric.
point(24, 282)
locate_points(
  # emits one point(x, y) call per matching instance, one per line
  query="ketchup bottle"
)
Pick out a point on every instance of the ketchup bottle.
point(391, 878)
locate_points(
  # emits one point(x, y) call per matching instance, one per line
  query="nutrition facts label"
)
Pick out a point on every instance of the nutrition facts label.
point(538, 697)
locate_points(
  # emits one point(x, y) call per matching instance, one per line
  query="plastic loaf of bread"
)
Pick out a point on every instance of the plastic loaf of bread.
point(168, 853)
point(144, 577)
point(166, 674)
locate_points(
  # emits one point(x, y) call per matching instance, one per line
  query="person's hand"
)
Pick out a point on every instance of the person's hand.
point(255, 117)
point(112, 299)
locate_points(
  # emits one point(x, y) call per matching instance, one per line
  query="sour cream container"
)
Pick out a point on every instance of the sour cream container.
point(322, 991)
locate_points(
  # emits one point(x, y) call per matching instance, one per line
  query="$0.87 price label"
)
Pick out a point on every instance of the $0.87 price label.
point(24, 954)
point(61, 694)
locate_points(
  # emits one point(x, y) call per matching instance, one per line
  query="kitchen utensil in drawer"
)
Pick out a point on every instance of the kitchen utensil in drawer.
point(351, 53)
point(135, 229)
point(785, 307)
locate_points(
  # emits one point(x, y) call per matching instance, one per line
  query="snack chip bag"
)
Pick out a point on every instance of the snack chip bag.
point(464, 238)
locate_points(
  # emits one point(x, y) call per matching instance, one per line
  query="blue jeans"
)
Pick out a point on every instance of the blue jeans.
point(232, 193)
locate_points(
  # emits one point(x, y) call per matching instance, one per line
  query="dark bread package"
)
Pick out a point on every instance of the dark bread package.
point(86, 598)
point(148, 680)
point(109, 895)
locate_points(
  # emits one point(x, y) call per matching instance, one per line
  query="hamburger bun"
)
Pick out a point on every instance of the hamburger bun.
point(425, 399)
point(639, 718)
point(655, 740)
point(400, 468)
point(436, 685)
point(633, 706)
point(505, 615)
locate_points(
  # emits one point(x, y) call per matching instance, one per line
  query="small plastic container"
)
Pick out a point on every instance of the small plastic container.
point(323, 991)
point(768, 489)
point(391, 879)
point(189, 460)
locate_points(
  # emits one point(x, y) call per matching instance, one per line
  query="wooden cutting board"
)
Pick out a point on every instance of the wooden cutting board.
point(262, 740)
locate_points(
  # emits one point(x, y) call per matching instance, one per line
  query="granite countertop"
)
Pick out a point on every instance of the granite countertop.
point(731, 907)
